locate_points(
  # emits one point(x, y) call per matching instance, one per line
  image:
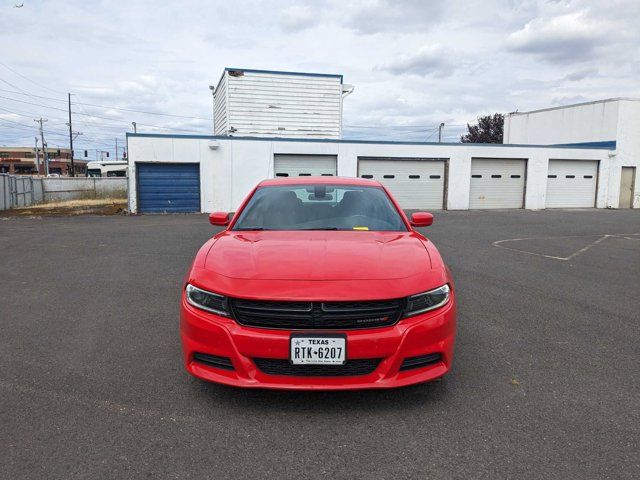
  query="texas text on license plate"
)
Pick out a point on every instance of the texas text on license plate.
point(318, 349)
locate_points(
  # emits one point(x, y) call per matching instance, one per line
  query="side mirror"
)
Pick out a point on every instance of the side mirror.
point(219, 218)
point(421, 219)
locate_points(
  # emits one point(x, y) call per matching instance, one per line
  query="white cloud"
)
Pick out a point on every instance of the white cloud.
point(429, 60)
point(390, 16)
point(569, 38)
point(414, 63)
point(297, 18)
point(581, 74)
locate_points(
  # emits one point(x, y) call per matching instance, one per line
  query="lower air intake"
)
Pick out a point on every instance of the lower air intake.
point(422, 361)
point(272, 366)
point(213, 361)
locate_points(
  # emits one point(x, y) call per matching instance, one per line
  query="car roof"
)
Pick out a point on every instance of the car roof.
point(306, 180)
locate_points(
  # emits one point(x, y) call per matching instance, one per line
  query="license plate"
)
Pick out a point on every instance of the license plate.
point(318, 349)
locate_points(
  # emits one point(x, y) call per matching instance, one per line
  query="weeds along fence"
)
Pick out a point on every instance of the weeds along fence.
point(23, 191)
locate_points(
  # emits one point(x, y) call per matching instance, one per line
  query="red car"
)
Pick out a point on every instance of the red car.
point(318, 283)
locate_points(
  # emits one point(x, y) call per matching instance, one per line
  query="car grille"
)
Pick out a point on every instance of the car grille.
point(273, 366)
point(317, 315)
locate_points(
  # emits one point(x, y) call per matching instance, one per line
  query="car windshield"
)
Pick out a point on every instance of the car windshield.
point(320, 207)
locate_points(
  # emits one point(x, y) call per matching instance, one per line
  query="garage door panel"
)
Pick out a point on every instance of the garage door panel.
point(168, 187)
point(571, 184)
point(415, 184)
point(304, 165)
point(497, 183)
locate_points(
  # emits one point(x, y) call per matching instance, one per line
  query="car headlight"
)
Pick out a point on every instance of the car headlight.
point(209, 301)
point(423, 302)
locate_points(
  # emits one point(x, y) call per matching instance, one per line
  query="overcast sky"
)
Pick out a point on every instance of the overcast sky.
point(414, 63)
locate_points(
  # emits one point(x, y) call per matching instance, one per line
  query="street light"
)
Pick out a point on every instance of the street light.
point(213, 110)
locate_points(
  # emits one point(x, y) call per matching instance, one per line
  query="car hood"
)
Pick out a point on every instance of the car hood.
point(318, 266)
point(318, 255)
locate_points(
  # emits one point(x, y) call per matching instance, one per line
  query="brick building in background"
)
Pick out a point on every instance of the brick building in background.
point(22, 161)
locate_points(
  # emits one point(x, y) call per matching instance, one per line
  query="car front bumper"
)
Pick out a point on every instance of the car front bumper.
point(210, 334)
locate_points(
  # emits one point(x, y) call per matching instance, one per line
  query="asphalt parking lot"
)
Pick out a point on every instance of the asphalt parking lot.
point(546, 381)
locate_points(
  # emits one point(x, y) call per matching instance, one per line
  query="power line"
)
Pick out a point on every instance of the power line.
point(435, 130)
point(146, 113)
point(84, 113)
point(17, 123)
point(110, 107)
point(28, 114)
point(403, 126)
point(34, 97)
point(105, 118)
point(27, 78)
point(31, 95)
point(388, 126)
point(94, 124)
point(94, 138)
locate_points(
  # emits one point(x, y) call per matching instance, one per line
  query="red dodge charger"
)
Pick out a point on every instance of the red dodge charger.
point(318, 283)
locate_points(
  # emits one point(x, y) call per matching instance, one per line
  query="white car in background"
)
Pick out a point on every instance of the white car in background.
point(107, 169)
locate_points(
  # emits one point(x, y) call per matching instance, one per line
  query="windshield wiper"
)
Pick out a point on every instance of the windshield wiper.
point(320, 228)
point(242, 229)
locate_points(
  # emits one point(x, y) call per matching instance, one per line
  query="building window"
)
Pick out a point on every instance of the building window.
point(24, 169)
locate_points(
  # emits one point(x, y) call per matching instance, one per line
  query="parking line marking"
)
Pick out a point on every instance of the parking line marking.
point(584, 249)
point(602, 237)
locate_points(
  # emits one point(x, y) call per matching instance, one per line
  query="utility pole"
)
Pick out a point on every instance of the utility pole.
point(44, 147)
point(440, 132)
point(135, 128)
point(37, 158)
point(46, 158)
point(73, 168)
point(116, 149)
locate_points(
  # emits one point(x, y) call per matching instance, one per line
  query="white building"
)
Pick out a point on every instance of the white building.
point(279, 104)
point(612, 123)
point(208, 173)
point(278, 124)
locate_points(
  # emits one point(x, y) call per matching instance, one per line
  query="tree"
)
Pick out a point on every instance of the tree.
point(488, 130)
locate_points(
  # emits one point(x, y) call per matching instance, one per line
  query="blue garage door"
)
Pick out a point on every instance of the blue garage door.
point(168, 187)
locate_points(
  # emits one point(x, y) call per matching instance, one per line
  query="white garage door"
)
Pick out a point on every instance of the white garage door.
point(415, 183)
point(572, 183)
point(304, 165)
point(497, 183)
